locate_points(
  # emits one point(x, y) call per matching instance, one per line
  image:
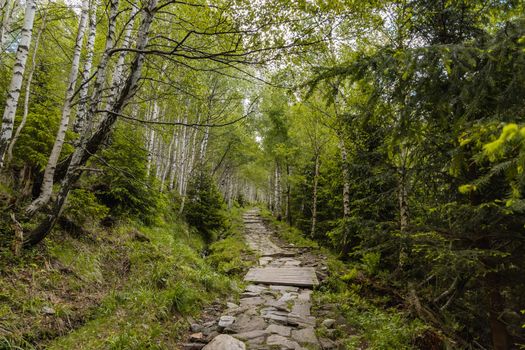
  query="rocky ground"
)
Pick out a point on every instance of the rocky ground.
point(268, 316)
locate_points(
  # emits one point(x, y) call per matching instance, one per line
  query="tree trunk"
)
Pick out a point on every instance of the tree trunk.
point(404, 216)
point(89, 145)
point(82, 109)
point(501, 339)
point(314, 196)
point(277, 210)
point(47, 183)
point(288, 195)
point(27, 91)
point(98, 86)
point(13, 93)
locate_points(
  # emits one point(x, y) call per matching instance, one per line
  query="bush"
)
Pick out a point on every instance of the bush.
point(205, 209)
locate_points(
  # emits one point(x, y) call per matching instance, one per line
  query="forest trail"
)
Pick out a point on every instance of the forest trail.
point(270, 315)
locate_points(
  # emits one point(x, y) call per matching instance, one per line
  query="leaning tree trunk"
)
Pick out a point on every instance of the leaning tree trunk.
point(9, 155)
point(13, 93)
point(47, 183)
point(89, 145)
point(98, 87)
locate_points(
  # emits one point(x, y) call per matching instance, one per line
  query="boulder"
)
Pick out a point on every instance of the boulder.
point(225, 342)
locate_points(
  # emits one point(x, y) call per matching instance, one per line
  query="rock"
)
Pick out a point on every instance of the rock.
point(226, 321)
point(48, 310)
point(288, 296)
point(265, 260)
point(278, 329)
point(192, 346)
point(327, 343)
point(282, 342)
point(225, 342)
point(328, 323)
point(195, 327)
point(210, 336)
point(253, 288)
point(305, 335)
point(301, 308)
point(250, 335)
point(292, 263)
point(231, 305)
point(196, 337)
point(252, 301)
point(245, 323)
point(305, 295)
point(284, 288)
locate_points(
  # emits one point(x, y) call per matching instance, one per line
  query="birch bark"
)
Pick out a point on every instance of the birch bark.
point(90, 144)
point(13, 94)
point(9, 155)
point(47, 183)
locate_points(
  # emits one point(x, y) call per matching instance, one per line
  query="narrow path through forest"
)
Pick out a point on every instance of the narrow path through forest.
point(275, 310)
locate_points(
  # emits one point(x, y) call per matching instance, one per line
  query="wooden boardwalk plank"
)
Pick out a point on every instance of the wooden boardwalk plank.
point(285, 276)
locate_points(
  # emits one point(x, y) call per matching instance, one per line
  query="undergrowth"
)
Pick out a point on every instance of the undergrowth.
point(369, 321)
point(131, 288)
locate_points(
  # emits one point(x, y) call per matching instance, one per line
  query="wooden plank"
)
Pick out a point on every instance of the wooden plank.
point(285, 276)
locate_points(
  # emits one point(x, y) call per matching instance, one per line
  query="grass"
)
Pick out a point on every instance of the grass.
point(370, 323)
point(131, 288)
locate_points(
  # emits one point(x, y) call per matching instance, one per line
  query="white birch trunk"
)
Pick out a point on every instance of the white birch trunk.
point(86, 72)
point(174, 167)
point(13, 93)
point(27, 91)
point(90, 144)
point(47, 185)
point(151, 139)
point(314, 195)
point(119, 67)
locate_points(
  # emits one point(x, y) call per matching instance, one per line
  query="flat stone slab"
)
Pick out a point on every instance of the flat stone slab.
point(285, 276)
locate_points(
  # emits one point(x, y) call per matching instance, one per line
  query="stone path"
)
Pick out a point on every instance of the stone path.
point(268, 316)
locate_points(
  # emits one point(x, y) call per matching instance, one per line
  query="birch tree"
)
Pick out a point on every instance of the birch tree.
point(47, 184)
point(89, 144)
point(13, 94)
point(27, 92)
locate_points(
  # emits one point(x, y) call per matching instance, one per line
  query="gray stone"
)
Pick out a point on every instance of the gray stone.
point(245, 323)
point(192, 346)
point(252, 301)
point(292, 263)
point(278, 329)
point(226, 321)
point(305, 295)
point(195, 327)
point(282, 342)
point(231, 305)
point(284, 288)
point(251, 334)
point(278, 305)
point(276, 318)
point(197, 337)
point(305, 335)
point(301, 308)
point(328, 323)
point(253, 288)
point(288, 296)
point(327, 343)
point(296, 320)
point(225, 342)
point(48, 310)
